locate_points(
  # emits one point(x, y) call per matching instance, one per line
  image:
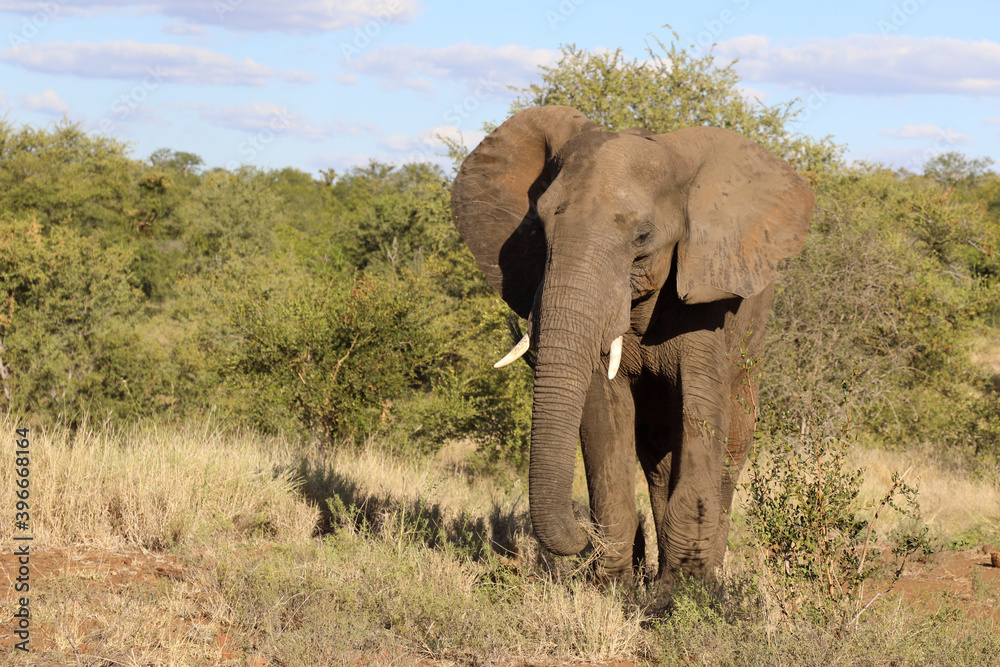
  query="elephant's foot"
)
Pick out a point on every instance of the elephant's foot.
point(662, 594)
point(664, 591)
point(624, 562)
point(607, 576)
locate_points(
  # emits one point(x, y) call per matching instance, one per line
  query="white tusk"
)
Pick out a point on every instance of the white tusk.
point(514, 354)
point(614, 358)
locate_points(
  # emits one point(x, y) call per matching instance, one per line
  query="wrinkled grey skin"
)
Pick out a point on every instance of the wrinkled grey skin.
point(671, 241)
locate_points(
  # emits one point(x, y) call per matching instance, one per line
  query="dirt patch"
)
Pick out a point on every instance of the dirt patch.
point(102, 568)
point(963, 580)
point(77, 598)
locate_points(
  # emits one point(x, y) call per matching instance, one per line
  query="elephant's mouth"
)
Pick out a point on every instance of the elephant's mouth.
point(525, 343)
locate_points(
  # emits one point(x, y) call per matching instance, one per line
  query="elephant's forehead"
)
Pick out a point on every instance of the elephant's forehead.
point(617, 171)
point(616, 161)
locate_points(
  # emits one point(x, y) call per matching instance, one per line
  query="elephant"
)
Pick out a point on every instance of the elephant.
point(644, 266)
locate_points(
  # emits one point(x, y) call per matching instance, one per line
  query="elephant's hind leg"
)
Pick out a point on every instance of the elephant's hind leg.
point(738, 443)
point(607, 435)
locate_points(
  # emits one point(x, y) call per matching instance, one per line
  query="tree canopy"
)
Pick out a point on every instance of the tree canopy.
point(669, 90)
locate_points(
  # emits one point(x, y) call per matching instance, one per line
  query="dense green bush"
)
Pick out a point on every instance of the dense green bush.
point(395, 217)
point(345, 355)
point(230, 215)
point(334, 353)
point(471, 398)
point(893, 283)
point(67, 324)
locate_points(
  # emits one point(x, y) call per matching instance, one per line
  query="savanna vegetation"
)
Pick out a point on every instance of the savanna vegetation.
point(265, 373)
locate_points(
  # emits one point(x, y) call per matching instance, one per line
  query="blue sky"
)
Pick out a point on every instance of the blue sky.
point(316, 84)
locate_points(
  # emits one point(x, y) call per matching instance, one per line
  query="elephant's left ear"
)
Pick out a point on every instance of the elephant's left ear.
point(746, 208)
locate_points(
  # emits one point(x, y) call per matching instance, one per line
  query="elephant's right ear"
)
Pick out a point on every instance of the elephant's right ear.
point(492, 200)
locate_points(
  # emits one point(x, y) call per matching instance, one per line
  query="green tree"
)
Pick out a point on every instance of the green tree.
point(953, 168)
point(188, 164)
point(67, 177)
point(307, 219)
point(671, 90)
point(67, 324)
point(395, 217)
point(230, 216)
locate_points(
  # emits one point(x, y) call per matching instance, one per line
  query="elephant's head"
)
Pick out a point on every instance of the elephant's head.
point(578, 229)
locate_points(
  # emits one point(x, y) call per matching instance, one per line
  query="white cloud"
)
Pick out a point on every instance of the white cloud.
point(925, 131)
point(753, 95)
point(137, 61)
point(292, 16)
point(52, 9)
point(269, 117)
point(486, 71)
point(123, 118)
point(181, 28)
point(340, 161)
point(298, 76)
point(48, 102)
point(346, 79)
point(426, 146)
point(871, 64)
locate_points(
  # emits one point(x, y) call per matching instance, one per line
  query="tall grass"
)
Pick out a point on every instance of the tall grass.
point(301, 556)
point(956, 506)
point(150, 488)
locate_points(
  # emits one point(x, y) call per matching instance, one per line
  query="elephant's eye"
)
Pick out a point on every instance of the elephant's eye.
point(642, 237)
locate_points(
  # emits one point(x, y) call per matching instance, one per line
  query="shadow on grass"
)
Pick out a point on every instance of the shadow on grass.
point(344, 503)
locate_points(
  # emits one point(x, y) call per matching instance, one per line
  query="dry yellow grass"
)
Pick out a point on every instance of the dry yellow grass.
point(151, 488)
point(952, 503)
point(443, 480)
point(211, 496)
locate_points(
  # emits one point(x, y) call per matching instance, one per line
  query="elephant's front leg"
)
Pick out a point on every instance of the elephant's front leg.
point(688, 532)
point(607, 434)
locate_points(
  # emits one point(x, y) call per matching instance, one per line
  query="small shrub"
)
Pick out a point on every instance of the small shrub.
point(805, 518)
point(802, 510)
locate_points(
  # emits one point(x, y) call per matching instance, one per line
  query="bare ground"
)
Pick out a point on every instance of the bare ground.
point(964, 580)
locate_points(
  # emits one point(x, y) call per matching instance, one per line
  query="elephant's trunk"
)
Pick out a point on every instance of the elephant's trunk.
point(576, 324)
